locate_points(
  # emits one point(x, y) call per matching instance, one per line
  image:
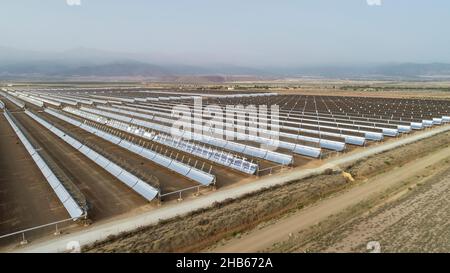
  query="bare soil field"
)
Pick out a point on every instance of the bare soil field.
point(412, 218)
point(201, 229)
point(362, 88)
point(375, 89)
point(358, 92)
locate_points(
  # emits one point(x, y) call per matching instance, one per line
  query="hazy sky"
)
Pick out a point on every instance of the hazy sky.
point(247, 32)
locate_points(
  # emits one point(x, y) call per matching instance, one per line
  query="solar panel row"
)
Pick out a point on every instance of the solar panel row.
point(71, 98)
point(48, 101)
point(252, 137)
point(74, 210)
point(139, 186)
point(190, 172)
point(57, 100)
point(30, 100)
point(217, 142)
point(217, 156)
point(332, 145)
point(214, 155)
point(300, 149)
point(162, 111)
point(17, 102)
point(35, 100)
point(287, 119)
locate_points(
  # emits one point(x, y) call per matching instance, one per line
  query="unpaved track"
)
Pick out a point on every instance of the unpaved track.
point(101, 231)
point(259, 240)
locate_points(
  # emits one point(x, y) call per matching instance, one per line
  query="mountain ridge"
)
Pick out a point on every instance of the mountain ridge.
point(86, 62)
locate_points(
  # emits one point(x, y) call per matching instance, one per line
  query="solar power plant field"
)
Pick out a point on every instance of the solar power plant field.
point(100, 153)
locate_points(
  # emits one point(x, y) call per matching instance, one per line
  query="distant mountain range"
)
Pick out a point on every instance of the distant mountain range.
point(91, 63)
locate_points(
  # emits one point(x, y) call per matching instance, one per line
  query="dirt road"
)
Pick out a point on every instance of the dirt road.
point(259, 240)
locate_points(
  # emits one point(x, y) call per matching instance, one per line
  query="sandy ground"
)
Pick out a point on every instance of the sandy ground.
point(414, 214)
